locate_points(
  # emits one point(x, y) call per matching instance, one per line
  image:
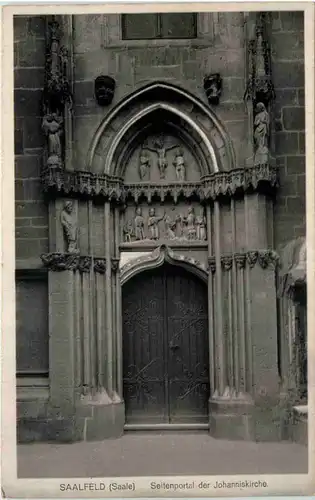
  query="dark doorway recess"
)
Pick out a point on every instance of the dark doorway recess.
point(165, 348)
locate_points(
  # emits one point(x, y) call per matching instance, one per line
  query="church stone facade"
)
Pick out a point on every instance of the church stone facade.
point(160, 223)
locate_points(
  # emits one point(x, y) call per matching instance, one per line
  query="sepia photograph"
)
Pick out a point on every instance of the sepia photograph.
point(161, 281)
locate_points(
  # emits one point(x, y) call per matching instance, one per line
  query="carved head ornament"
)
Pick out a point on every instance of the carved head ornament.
point(104, 87)
point(213, 87)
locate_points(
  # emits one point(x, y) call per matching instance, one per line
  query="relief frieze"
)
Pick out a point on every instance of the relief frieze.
point(170, 224)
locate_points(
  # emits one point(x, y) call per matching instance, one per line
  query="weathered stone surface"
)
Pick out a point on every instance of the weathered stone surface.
point(293, 118)
point(29, 78)
point(27, 166)
point(295, 165)
point(18, 142)
point(288, 46)
point(288, 74)
point(27, 102)
point(292, 20)
point(287, 142)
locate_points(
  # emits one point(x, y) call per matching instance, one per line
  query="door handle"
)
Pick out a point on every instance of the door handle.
point(173, 346)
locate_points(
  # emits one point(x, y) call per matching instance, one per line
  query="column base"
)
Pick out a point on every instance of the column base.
point(242, 418)
point(103, 417)
point(231, 418)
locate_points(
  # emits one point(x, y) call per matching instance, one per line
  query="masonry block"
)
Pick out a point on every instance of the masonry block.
point(287, 142)
point(293, 118)
point(292, 20)
point(288, 74)
point(295, 164)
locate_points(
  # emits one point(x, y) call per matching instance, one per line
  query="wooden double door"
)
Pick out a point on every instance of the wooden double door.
point(165, 348)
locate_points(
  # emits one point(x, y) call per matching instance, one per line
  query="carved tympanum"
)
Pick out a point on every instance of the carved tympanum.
point(70, 228)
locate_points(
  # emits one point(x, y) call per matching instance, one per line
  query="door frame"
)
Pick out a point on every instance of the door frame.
point(134, 265)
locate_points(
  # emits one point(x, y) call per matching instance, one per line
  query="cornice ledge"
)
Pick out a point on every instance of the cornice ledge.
point(83, 183)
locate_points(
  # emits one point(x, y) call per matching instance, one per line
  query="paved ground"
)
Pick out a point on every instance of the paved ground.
point(164, 454)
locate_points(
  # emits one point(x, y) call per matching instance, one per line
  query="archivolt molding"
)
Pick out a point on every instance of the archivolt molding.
point(157, 258)
point(87, 184)
point(144, 112)
point(144, 101)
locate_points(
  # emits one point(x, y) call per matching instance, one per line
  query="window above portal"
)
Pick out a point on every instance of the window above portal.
point(159, 26)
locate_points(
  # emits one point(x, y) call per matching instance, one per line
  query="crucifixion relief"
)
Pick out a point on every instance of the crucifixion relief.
point(161, 146)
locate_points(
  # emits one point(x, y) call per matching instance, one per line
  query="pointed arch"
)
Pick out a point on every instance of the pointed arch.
point(159, 256)
point(210, 132)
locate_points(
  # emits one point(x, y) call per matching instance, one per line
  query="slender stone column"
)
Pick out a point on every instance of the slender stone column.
point(220, 366)
point(108, 295)
point(210, 302)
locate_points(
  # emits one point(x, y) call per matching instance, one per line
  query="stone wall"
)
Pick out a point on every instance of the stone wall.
point(31, 212)
point(99, 49)
point(287, 39)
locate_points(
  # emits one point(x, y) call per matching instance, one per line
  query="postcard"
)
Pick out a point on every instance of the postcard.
point(158, 250)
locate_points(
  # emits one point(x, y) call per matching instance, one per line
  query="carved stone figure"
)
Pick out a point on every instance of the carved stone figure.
point(70, 228)
point(201, 227)
point(53, 129)
point(161, 148)
point(190, 223)
point(139, 224)
point(213, 87)
point(153, 224)
point(170, 227)
point(261, 134)
point(179, 164)
point(128, 231)
point(144, 165)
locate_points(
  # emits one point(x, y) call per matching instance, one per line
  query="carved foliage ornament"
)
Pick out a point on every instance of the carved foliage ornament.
point(57, 261)
point(260, 86)
point(112, 188)
point(57, 91)
point(267, 259)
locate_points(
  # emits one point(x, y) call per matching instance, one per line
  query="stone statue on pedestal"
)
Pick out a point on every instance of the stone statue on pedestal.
point(261, 135)
point(70, 228)
point(53, 128)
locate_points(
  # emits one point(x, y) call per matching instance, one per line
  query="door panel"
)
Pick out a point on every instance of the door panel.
point(143, 346)
point(188, 349)
point(165, 344)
